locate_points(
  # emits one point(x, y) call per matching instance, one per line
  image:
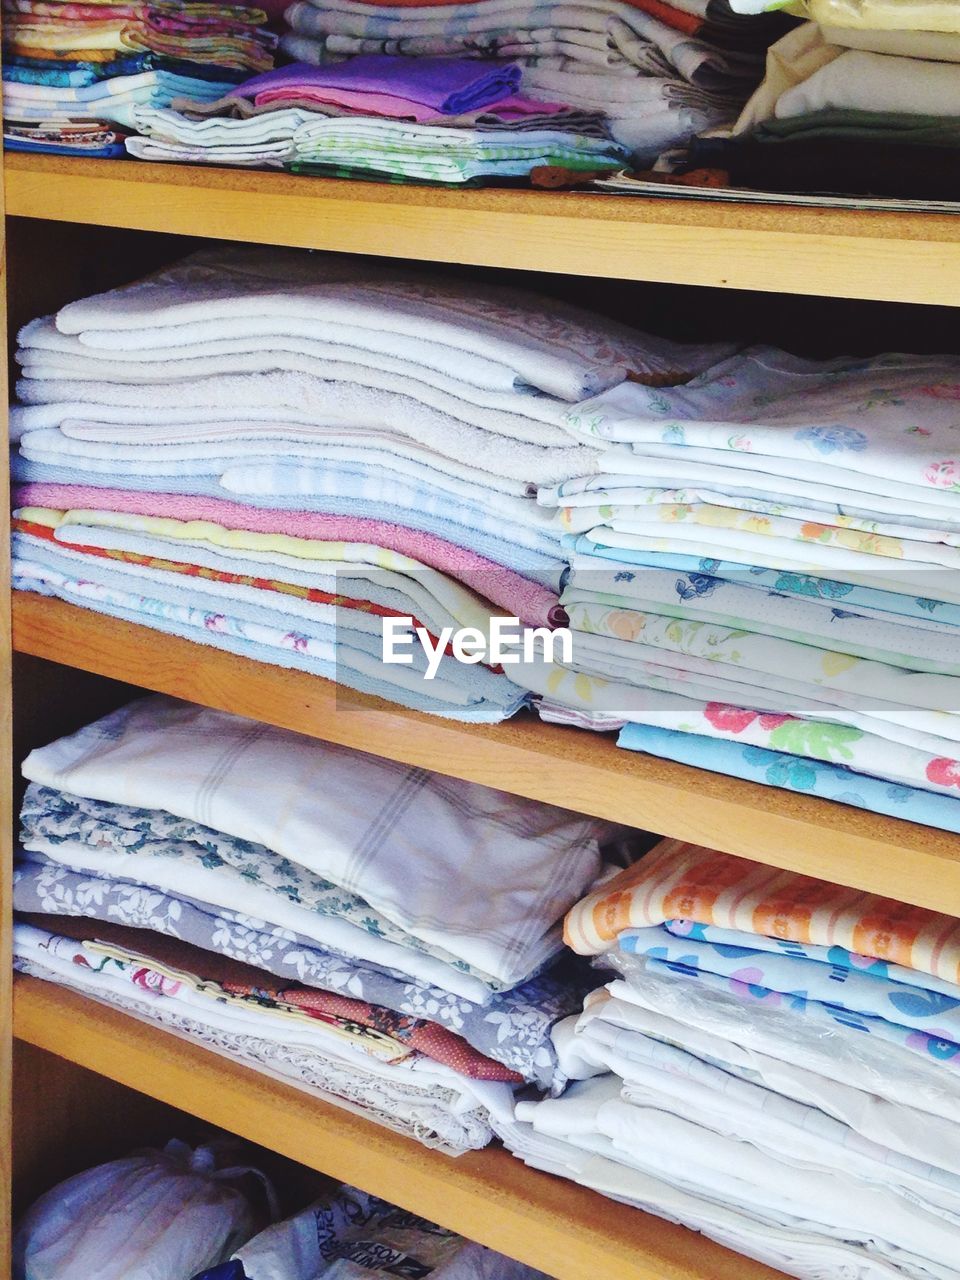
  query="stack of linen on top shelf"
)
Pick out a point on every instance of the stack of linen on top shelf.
point(74, 73)
point(764, 577)
point(661, 71)
point(274, 452)
point(777, 1065)
point(861, 109)
point(385, 936)
point(443, 120)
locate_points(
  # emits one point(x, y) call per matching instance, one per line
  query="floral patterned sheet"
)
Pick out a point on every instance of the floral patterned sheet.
point(777, 769)
point(154, 848)
point(893, 417)
point(618, 695)
point(361, 822)
point(513, 1028)
point(698, 572)
point(927, 1022)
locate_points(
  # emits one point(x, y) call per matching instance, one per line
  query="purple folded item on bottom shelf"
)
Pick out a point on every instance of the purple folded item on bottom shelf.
point(447, 86)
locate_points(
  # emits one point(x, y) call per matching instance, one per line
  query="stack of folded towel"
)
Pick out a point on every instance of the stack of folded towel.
point(74, 73)
point(869, 108)
point(450, 121)
point(661, 71)
point(384, 936)
point(272, 452)
point(776, 1065)
point(764, 576)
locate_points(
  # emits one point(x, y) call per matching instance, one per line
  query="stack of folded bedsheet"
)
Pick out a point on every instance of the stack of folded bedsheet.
point(66, 63)
point(450, 121)
point(775, 1065)
point(272, 453)
point(868, 103)
point(661, 72)
point(764, 576)
point(380, 935)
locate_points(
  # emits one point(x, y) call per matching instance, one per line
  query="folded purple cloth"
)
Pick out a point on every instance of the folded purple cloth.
point(451, 86)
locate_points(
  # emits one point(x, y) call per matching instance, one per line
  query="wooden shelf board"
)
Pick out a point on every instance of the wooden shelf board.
point(557, 1226)
point(828, 252)
point(556, 764)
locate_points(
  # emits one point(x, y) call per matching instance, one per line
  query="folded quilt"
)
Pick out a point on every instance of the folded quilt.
point(541, 857)
point(441, 85)
point(438, 1106)
point(512, 1027)
point(678, 880)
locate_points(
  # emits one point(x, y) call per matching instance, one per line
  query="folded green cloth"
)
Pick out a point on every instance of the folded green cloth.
point(872, 126)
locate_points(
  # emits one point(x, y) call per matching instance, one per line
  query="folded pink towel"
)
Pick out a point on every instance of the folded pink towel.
point(505, 588)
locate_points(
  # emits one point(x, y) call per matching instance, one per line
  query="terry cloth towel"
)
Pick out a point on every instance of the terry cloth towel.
point(561, 350)
point(684, 881)
point(393, 86)
point(502, 586)
point(203, 765)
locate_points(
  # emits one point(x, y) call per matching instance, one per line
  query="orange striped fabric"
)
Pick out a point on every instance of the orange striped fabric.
point(679, 881)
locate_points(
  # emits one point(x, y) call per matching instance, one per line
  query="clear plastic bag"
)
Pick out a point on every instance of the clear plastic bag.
point(354, 1236)
point(154, 1215)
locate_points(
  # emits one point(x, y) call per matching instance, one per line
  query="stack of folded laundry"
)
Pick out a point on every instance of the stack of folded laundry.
point(763, 577)
point(661, 72)
point(273, 452)
point(384, 936)
point(872, 108)
point(776, 1066)
point(74, 73)
point(450, 121)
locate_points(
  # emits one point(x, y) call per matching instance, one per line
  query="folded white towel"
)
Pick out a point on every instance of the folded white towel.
point(560, 349)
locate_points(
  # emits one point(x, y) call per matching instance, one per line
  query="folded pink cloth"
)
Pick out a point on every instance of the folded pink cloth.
point(370, 104)
point(505, 588)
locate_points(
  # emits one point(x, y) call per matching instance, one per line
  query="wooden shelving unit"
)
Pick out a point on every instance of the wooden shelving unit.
point(556, 1226)
point(553, 763)
point(487, 1195)
point(834, 253)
